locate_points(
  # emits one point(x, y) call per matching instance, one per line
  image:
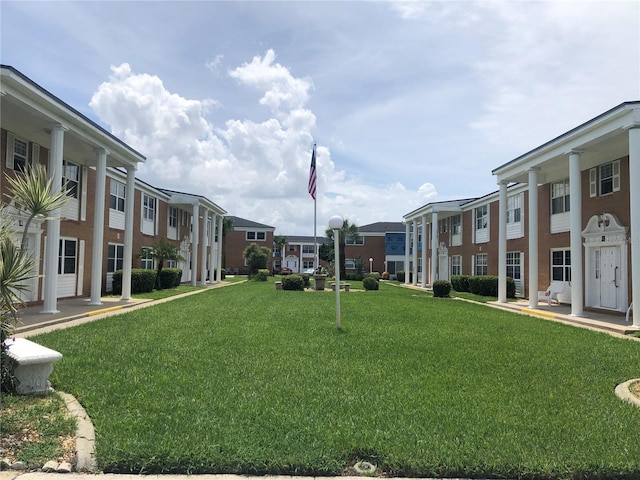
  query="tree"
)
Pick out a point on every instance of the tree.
point(227, 226)
point(348, 231)
point(279, 242)
point(256, 257)
point(162, 251)
point(34, 194)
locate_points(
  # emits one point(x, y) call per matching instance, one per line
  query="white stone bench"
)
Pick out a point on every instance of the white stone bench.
point(343, 286)
point(34, 365)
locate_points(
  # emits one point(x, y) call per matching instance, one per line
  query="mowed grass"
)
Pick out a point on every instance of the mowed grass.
point(247, 379)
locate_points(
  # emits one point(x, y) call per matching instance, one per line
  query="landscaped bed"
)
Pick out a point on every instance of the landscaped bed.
point(252, 380)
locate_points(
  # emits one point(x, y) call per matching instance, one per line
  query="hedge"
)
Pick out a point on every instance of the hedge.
point(293, 282)
point(170, 277)
point(142, 280)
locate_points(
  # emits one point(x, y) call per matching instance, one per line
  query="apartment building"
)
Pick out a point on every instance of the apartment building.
point(379, 246)
point(565, 212)
point(102, 228)
point(244, 233)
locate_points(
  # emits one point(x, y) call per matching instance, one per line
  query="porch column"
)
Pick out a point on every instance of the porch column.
point(195, 232)
point(213, 266)
point(575, 217)
point(434, 247)
point(98, 227)
point(415, 253)
point(50, 287)
point(502, 245)
point(203, 254)
point(533, 237)
point(407, 251)
point(127, 256)
point(634, 235)
point(219, 262)
point(424, 251)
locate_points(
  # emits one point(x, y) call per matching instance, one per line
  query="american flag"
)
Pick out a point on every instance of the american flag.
point(312, 175)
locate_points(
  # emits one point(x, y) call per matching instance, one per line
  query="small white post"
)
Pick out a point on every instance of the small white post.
point(336, 223)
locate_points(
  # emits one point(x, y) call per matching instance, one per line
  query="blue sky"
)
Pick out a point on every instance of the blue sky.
point(409, 102)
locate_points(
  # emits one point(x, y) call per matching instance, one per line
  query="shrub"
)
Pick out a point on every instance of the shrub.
point(262, 275)
point(293, 282)
point(441, 288)
point(460, 283)
point(370, 283)
point(170, 277)
point(375, 275)
point(356, 277)
point(116, 287)
point(400, 275)
point(142, 280)
point(385, 275)
point(305, 279)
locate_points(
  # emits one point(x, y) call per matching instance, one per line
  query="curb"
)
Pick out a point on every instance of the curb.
point(624, 393)
point(85, 434)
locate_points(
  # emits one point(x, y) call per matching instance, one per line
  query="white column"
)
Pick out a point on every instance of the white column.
point(533, 237)
point(502, 245)
point(50, 288)
point(127, 256)
point(414, 254)
point(407, 249)
point(434, 247)
point(424, 251)
point(195, 232)
point(575, 222)
point(634, 214)
point(213, 266)
point(98, 227)
point(219, 262)
point(203, 255)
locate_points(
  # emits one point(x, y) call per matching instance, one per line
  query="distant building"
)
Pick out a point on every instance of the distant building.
point(244, 233)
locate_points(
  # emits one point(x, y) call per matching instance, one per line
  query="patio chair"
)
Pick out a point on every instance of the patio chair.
point(551, 293)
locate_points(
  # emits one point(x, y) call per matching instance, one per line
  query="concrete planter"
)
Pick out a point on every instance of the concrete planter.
point(319, 280)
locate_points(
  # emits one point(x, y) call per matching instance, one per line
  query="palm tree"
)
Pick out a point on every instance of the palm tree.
point(162, 251)
point(279, 242)
point(35, 195)
point(350, 231)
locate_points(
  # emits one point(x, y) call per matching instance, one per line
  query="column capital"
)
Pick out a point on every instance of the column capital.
point(533, 169)
point(99, 150)
point(56, 126)
point(576, 151)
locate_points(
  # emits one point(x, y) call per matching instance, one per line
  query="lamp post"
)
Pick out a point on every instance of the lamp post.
point(370, 264)
point(335, 223)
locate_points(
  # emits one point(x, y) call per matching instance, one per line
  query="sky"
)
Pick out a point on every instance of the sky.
point(408, 102)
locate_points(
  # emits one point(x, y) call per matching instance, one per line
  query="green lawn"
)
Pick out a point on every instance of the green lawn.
point(247, 379)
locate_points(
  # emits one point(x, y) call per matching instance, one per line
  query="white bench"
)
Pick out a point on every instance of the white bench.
point(343, 286)
point(34, 365)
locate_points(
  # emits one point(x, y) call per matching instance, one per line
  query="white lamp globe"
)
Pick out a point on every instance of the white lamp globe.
point(335, 222)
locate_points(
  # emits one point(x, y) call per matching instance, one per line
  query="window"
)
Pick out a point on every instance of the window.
point(19, 154)
point(561, 265)
point(609, 177)
point(67, 256)
point(456, 265)
point(117, 196)
point(350, 264)
point(443, 225)
point(146, 261)
point(307, 264)
point(456, 225)
point(482, 217)
point(291, 248)
point(350, 240)
point(560, 197)
point(173, 217)
point(256, 236)
point(185, 218)
point(480, 266)
point(513, 265)
point(115, 256)
point(308, 249)
point(513, 209)
point(70, 178)
point(148, 207)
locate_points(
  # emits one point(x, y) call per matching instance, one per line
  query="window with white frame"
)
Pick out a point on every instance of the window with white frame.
point(560, 197)
point(148, 207)
point(67, 256)
point(351, 240)
point(291, 248)
point(513, 265)
point(604, 179)
point(456, 265)
point(456, 225)
point(514, 209)
point(350, 264)
point(173, 217)
point(70, 178)
point(146, 261)
point(261, 236)
point(308, 249)
point(117, 196)
point(115, 257)
point(443, 225)
point(307, 264)
point(480, 266)
point(561, 265)
point(482, 217)
point(20, 154)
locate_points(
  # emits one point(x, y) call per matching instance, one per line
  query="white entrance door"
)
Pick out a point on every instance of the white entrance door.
point(608, 281)
point(291, 262)
point(443, 267)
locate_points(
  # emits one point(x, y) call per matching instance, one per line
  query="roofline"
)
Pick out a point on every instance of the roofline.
point(194, 196)
point(66, 106)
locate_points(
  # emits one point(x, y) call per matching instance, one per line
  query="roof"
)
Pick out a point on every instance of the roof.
point(239, 222)
point(382, 227)
point(188, 198)
point(305, 239)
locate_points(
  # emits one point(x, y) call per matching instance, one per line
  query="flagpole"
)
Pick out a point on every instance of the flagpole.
point(316, 261)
